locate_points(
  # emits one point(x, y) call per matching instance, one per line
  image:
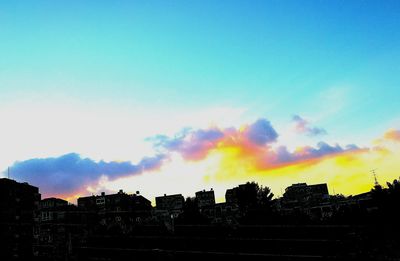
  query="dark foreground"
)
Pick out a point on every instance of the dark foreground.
point(273, 242)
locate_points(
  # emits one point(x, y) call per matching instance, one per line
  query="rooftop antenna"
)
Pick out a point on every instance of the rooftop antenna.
point(8, 172)
point(376, 180)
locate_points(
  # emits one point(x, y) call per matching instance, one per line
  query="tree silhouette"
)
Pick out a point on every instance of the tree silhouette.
point(255, 203)
point(264, 197)
point(247, 195)
point(191, 213)
point(387, 201)
point(394, 189)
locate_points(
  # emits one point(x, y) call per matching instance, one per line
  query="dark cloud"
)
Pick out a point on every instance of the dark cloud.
point(352, 147)
point(303, 126)
point(282, 155)
point(261, 132)
point(192, 145)
point(308, 152)
point(322, 149)
point(70, 173)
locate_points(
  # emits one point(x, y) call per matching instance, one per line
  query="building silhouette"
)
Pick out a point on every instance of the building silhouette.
point(19, 204)
point(305, 223)
point(205, 198)
point(120, 201)
point(50, 209)
point(173, 204)
point(302, 195)
point(116, 210)
point(60, 224)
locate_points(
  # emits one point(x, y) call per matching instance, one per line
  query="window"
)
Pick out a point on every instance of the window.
point(100, 201)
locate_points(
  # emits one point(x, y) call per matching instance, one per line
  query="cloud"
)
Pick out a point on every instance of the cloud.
point(252, 142)
point(191, 144)
point(303, 126)
point(252, 148)
point(322, 149)
point(196, 144)
point(272, 158)
point(393, 135)
point(70, 173)
point(261, 132)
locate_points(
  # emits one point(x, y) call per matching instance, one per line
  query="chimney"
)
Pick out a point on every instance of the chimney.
point(103, 194)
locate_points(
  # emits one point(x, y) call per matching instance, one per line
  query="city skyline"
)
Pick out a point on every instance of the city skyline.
point(179, 97)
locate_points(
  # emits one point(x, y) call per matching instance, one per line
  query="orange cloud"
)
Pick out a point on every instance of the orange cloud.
point(345, 168)
point(393, 135)
point(252, 142)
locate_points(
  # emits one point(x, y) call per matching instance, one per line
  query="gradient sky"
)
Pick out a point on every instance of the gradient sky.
point(177, 96)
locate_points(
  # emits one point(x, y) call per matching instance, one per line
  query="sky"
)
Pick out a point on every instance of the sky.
point(167, 97)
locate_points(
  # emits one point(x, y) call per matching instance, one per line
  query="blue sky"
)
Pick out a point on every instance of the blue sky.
point(335, 63)
point(197, 53)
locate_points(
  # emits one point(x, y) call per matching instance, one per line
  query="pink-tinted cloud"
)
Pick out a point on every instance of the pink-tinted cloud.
point(196, 144)
point(393, 135)
point(252, 141)
point(191, 144)
point(302, 126)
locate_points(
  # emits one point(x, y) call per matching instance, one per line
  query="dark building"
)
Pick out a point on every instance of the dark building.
point(119, 210)
point(302, 192)
point(312, 200)
point(60, 223)
point(205, 198)
point(172, 204)
point(231, 196)
point(52, 209)
point(19, 203)
point(115, 202)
